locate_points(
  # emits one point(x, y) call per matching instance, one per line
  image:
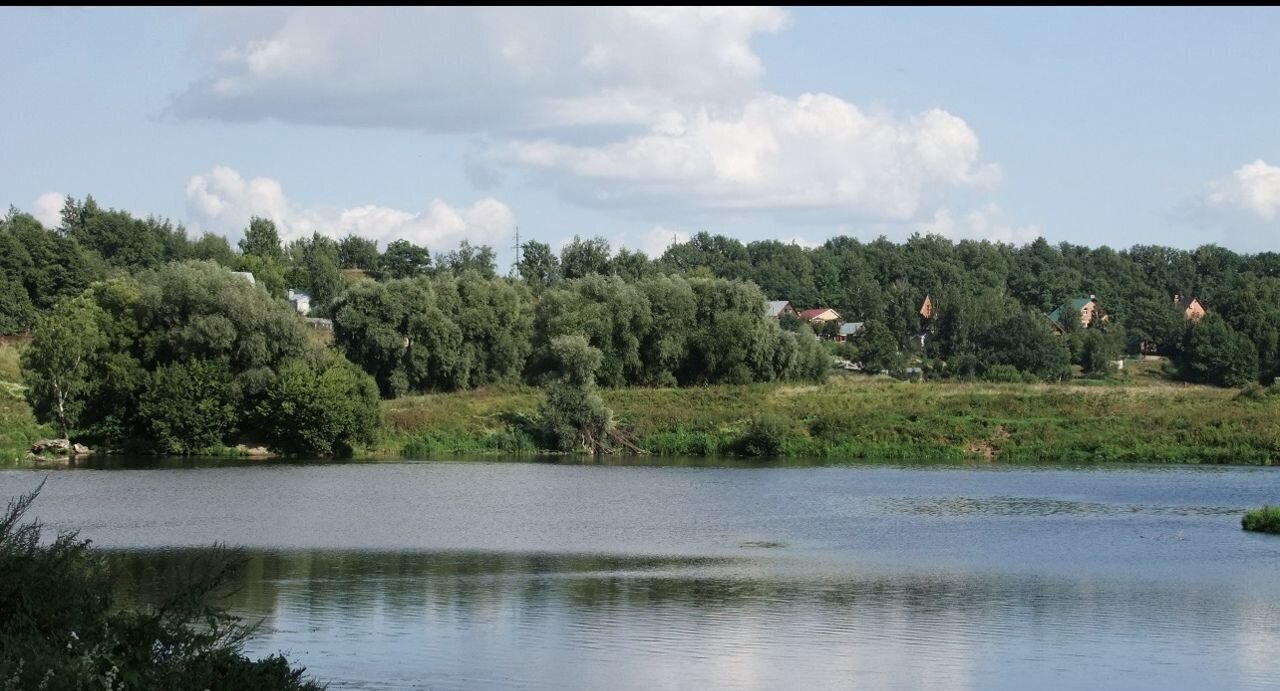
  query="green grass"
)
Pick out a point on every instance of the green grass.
point(18, 427)
point(877, 418)
point(1264, 520)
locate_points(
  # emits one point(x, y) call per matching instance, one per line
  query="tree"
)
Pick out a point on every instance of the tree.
point(581, 258)
point(1214, 353)
point(480, 259)
point(188, 405)
point(261, 239)
point(403, 259)
point(315, 268)
point(876, 347)
point(58, 363)
point(355, 252)
point(538, 266)
point(16, 311)
point(323, 406)
point(214, 248)
point(573, 414)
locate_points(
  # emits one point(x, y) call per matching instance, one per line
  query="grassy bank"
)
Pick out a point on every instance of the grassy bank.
point(18, 428)
point(861, 417)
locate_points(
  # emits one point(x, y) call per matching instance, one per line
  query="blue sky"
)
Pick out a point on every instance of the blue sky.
point(1092, 126)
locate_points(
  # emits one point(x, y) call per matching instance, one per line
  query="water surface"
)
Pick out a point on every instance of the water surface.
point(477, 575)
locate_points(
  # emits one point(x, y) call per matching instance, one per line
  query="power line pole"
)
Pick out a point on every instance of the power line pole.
point(515, 264)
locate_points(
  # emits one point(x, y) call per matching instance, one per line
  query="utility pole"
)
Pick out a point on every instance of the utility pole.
point(515, 263)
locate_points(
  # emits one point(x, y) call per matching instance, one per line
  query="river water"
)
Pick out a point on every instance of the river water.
point(493, 575)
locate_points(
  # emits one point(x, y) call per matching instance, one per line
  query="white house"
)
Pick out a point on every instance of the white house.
point(301, 301)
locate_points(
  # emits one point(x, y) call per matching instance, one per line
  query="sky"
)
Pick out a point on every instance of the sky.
point(1092, 126)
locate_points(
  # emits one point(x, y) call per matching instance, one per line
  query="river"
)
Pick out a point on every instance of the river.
point(492, 575)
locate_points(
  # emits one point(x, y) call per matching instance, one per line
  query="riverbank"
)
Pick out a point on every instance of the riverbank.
point(879, 418)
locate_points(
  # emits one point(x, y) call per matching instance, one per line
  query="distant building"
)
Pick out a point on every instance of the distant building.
point(848, 330)
point(1088, 309)
point(778, 308)
point(301, 301)
point(320, 324)
point(1190, 308)
point(820, 315)
point(246, 276)
point(926, 308)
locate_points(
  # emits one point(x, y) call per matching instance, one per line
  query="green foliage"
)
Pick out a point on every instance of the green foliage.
point(262, 240)
point(60, 628)
point(467, 258)
point(355, 252)
point(765, 435)
point(573, 414)
point(325, 407)
point(538, 266)
point(164, 360)
point(1098, 348)
point(876, 347)
point(1214, 353)
point(1264, 520)
point(17, 314)
point(581, 258)
point(214, 248)
point(188, 406)
point(315, 269)
point(403, 259)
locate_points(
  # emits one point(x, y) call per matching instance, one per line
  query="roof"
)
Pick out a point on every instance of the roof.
point(246, 276)
point(817, 312)
point(775, 307)
point(850, 328)
point(1077, 304)
point(1185, 302)
point(299, 295)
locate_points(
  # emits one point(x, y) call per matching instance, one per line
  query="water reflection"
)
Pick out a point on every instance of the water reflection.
point(483, 620)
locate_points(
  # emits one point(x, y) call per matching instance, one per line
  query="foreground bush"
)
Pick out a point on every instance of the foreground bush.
point(1264, 520)
point(61, 630)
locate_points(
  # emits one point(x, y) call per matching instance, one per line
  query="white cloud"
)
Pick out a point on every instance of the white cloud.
point(47, 209)
point(814, 153)
point(986, 222)
point(473, 69)
point(653, 242)
point(1253, 189)
point(223, 201)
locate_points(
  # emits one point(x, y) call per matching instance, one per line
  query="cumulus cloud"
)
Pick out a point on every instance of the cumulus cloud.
point(659, 111)
point(223, 201)
point(815, 152)
point(47, 209)
point(1253, 189)
point(986, 222)
point(472, 69)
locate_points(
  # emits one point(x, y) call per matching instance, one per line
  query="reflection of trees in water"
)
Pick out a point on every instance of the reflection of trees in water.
point(353, 582)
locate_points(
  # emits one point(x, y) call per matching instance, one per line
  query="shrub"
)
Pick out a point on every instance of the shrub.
point(765, 435)
point(574, 418)
point(187, 406)
point(1264, 520)
point(1004, 373)
point(322, 408)
point(61, 629)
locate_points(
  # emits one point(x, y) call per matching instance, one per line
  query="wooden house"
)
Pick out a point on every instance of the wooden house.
point(1189, 307)
point(820, 315)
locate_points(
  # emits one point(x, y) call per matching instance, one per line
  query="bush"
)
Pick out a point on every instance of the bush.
point(575, 418)
point(765, 435)
point(1264, 520)
point(1004, 373)
point(321, 408)
point(60, 628)
point(187, 406)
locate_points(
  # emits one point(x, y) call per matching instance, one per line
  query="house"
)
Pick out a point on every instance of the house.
point(926, 308)
point(1088, 309)
point(779, 308)
point(1189, 307)
point(301, 301)
point(820, 315)
point(320, 324)
point(246, 276)
point(848, 330)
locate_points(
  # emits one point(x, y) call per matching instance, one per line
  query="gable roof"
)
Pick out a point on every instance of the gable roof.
point(775, 307)
point(817, 312)
point(850, 328)
point(1077, 304)
point(1184, 303)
